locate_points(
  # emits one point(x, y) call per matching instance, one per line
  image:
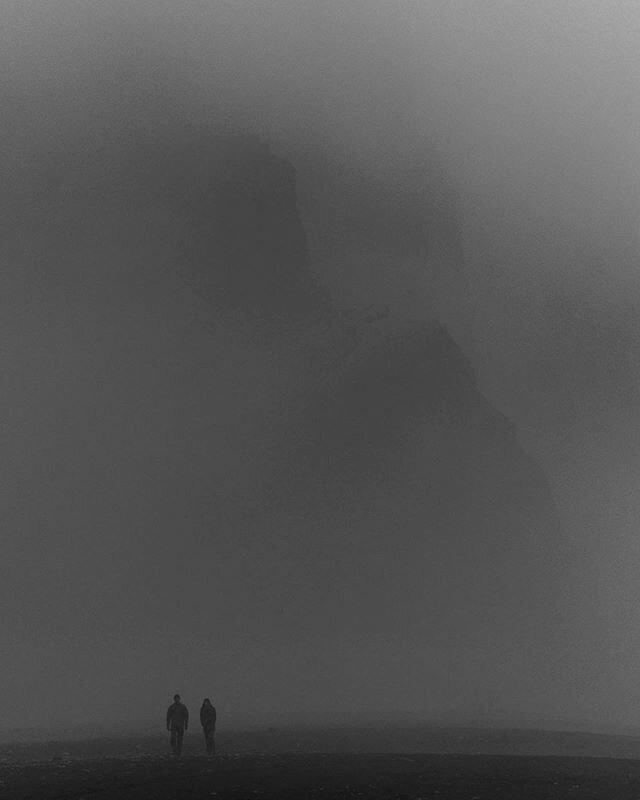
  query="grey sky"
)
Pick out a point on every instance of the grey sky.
point(112, 399)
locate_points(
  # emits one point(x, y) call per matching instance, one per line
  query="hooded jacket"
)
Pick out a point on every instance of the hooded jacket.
point(208, 716)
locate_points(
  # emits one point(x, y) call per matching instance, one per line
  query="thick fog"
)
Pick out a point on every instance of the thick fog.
point(138, 422)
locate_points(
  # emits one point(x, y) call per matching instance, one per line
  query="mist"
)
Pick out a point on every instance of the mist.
point(164, 530)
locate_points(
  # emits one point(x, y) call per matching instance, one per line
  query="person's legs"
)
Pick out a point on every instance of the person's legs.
point(180, 736)
point(174, 741)
point(208, 737)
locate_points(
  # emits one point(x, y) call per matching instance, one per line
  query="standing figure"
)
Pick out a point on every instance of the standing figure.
point(177, 723)
point(208, 721)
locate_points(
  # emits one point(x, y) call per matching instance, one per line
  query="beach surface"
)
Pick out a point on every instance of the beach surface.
point(351, 776)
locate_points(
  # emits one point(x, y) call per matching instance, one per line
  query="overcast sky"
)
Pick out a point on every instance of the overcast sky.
point(122, 582)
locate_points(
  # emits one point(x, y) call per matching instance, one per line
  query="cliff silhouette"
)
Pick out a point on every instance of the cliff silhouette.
point(383, 430)
point(346, 431)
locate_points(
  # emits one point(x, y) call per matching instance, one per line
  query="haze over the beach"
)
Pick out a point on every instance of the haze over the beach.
point(152, 439)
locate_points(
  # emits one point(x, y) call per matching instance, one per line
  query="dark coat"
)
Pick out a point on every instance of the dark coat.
point(208, 717)
point(177, 716)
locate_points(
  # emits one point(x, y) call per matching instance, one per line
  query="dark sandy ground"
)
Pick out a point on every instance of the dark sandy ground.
point(411, 762)
point(355, 776)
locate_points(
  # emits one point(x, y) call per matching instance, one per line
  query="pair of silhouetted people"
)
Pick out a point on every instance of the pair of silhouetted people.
point(178, 723)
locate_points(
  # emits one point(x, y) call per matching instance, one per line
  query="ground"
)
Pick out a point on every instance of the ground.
point(355, 776)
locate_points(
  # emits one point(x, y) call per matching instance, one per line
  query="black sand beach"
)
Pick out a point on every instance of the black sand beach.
point(129, 769)
point(356, 776)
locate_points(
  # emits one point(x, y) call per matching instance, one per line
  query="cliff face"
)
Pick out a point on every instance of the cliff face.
point(383, 436)
point(359, 486)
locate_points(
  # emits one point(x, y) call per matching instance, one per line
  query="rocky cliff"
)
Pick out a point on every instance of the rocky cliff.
point(363, 503)
point(383, 437)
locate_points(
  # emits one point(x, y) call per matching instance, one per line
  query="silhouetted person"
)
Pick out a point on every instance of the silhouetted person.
point(208, 721)
point(177, 723)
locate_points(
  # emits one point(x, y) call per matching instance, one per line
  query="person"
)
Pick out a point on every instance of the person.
point(177, 724)
point(208, 721)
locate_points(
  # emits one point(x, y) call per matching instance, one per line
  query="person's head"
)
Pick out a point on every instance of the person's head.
point(206, 702)
point(176, 698)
